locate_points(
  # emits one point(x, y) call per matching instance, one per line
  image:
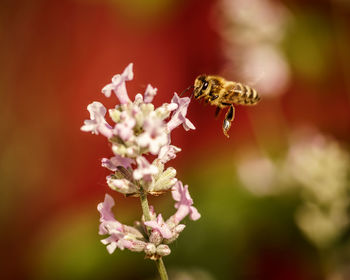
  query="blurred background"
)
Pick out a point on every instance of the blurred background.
point(274, 197)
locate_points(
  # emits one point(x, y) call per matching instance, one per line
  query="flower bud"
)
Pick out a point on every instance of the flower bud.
point(180, 228)
point(155, 237)
point(147, 108)
point(123, 186)
point(137, 246)
point(119, 149)
point(176, 230)
point(138, 99)
point(114, 114)
point(150, 249)
point(164, 182)
point(163, 250)
point(172, 239)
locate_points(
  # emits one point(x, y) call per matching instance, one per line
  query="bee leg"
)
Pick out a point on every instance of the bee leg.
point(214, 97)
point(217, 112)
point(230, 115)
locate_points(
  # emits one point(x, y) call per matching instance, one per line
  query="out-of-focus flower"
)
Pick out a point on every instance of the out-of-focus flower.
point(318, 168)
point(97, 123)
point(321, 226)
point(253, 47)
point(321, 166)
point(265, 171)
point(270, 19)
point(266, 67)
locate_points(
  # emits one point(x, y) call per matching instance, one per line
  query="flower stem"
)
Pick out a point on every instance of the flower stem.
point(161, 269)
point(144, 205)
point(145, 209)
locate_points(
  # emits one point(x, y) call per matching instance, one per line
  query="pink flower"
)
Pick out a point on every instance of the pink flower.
point(121, 236)
point(116, 161)
point(179, 116)
point(160, 226)
point(184, 203)
point(107, 219)
point(97, 123)
point(124, 240)
point(141, 130)
point(118, 85)
point(164, 111)
point(167, 153)
point(149, 94)
point(124, 128)
point(116, 240)
point(154, 135)
point(144, 170)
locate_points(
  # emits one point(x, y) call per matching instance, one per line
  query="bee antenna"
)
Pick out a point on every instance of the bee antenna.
point(187, 89)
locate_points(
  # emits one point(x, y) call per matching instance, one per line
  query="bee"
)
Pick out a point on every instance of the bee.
point(218, 92)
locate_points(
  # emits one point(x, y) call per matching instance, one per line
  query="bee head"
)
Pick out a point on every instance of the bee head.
point(201, 86)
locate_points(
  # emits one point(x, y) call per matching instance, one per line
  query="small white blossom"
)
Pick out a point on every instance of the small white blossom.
point(154, 136)
point(124, 128)
point(144, 170)
point(179, 116)
point(97, 123)
point(118, 85)
point(167, 153)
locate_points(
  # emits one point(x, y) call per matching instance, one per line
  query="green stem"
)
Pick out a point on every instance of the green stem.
point(145, 209)
point(161, 269)
point(144, 205)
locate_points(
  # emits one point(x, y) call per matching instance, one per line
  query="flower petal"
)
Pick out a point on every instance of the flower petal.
point(179, 116)
point(118, 85)
point(149, 94)
point(97, 123)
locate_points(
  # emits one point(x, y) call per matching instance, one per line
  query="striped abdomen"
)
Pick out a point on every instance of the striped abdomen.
point(240, 94)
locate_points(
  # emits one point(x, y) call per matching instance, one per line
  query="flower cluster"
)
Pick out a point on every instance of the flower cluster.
point(161, 233)
point(141, 131)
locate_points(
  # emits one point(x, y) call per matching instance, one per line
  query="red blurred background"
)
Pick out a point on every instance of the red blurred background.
point(57, 55)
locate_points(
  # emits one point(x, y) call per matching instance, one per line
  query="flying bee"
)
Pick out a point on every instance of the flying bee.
point(218, 92)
